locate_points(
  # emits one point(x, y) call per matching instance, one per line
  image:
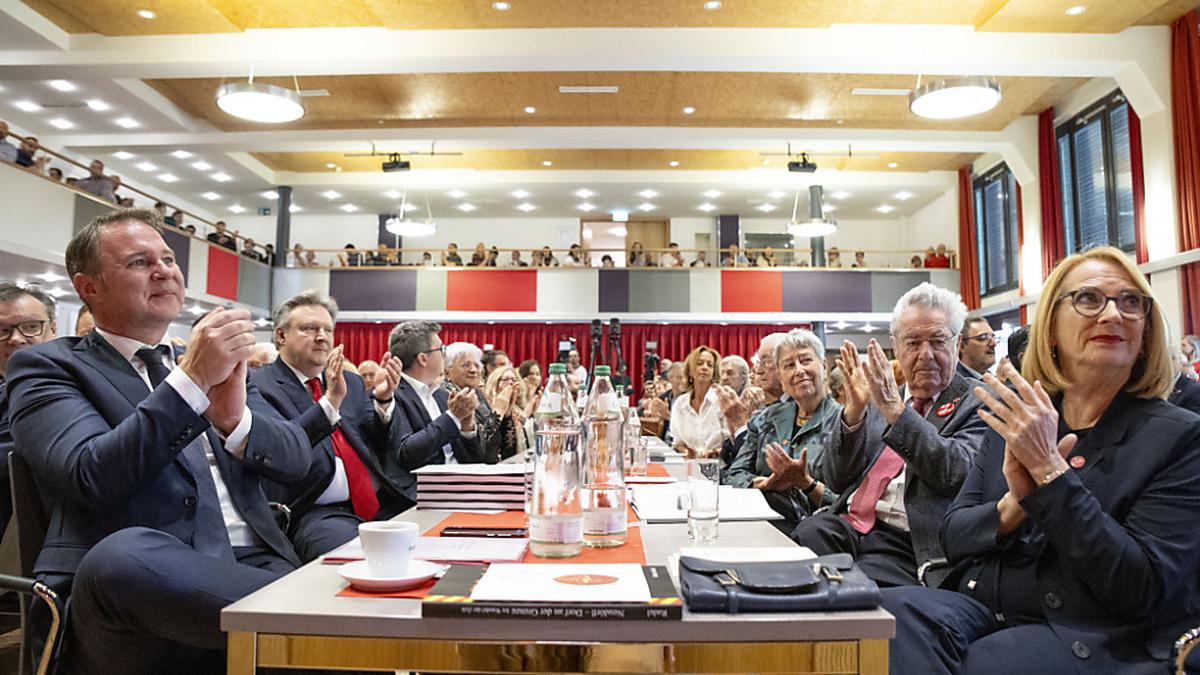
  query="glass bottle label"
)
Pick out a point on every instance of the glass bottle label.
point(556, 529)
point(604, 521)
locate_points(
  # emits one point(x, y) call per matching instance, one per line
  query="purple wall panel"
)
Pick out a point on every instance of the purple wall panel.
point(614, 290)
point(815, 291)
point(181, 245)
point(386, 290)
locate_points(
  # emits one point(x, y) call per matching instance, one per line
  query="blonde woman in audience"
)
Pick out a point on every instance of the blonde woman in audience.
point(697, 423)
point(507, 398)
point(637, 256)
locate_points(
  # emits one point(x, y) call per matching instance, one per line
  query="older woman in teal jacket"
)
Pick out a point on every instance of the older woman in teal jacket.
point(784, 439)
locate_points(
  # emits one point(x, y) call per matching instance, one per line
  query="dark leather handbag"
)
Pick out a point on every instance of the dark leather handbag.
point(827, 583)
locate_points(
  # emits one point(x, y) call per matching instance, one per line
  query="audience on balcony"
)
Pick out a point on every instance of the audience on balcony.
point(575, 257)
point(937, 258)
point(515, 260)
point(833, 258)
point(97, 183)
point(8, 151)
point(734, 258)
point(766, 258)
point(637, 256)
point(221, 237)
point(859, 260)
point(451, 257)
point(701, 259)
point(672, 257)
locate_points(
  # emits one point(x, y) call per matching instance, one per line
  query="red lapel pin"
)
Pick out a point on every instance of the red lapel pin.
point(946, 409)
point(1078, 461)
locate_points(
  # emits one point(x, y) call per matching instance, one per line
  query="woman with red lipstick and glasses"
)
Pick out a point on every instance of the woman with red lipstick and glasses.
point(1073, 541)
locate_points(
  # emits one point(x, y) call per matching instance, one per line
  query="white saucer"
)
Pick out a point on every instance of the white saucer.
point(360, 577)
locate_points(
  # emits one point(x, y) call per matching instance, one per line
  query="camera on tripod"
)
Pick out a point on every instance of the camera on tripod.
point(651, 361)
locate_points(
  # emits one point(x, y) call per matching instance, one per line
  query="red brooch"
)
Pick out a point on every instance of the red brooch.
point(1078, 461)
point(946, 409)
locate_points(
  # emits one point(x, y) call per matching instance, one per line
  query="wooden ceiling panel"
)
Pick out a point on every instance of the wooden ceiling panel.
point(119, 17)
point(644, 99)
point(615, 160)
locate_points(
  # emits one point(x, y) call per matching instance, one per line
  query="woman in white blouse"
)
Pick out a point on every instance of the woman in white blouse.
point(697, 423)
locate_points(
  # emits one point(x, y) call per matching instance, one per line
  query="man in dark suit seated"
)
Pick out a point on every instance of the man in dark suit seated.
point(1185, 393)
point(308, 386)
point(429, 426)
point(899, 455)
point(151, 465)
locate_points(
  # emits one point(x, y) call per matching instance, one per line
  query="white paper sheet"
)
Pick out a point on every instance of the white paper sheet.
point(664, 504)
point(562, 583)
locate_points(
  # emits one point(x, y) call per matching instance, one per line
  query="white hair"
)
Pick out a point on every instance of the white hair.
point(457, 350)
point(770, 344)
point(930, 296)
point(741, 366)
point(800, 338)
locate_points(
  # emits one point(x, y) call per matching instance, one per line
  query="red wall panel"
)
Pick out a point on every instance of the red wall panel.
point(222, 273)
point(491, 290)
point(751, 291)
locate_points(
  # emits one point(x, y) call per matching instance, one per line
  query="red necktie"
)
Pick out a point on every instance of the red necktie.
point(362, 492)
point(861, 515)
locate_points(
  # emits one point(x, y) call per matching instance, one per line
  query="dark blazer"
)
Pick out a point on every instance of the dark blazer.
point(107, 451)
point(6, 447)
point(1185, 394)
point(416, 440)
point(1121, 549)
point(937, 450)
point(359, 424)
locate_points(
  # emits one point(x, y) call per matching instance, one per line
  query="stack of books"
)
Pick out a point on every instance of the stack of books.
point(471, 487)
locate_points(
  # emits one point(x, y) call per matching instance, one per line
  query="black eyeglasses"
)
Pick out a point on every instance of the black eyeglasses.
point(29, 329)
point(982, 337)
point(1090, 302)
point(441, 349)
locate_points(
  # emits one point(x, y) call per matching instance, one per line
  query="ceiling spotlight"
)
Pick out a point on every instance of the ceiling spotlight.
point(121, 154)
point(1076, 10)
point(201, 166)
point(584, 193)
point(673, 163)
point(456, 194)
point(840, 194)
point(903, 195)
point(27, 106)
point(547, 162)
point(466, 208)
point(706, 207)
point(712, 194)
point(586, 206)
point(331, 194)
point(893, 165)
point(885, 208)
point(392, 194)
point(147, 166)
point(330, 165)
point(259, 102)
point(501, 6)
point(294, 209)
point(409, 206)
point(647, 194)
point(270, 194)
point(61, 85)
point(766, 208)
point(776, 194)
point(712, 4)
point(646, 206)
point(221, 177)
point(827, 208)
point(168, 177)
point(237, 208)
point(97, 105)
point(348, 208)
point(519, 194)
point(955, 97)
point(62, 123)
point(181, 154)
point(689, 110)
point(841, 325)
point(127, 123)
point(211, 196)
point(530, 109)
point(146, 14)
point(526, 207)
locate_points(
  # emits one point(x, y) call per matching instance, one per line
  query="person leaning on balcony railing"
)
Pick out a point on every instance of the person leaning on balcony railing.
point(97, 183)
point(575, 257)
point(734, 257)
point(637, 256)
point(27, 156)
point(451, 256)
point(8, 151)
point(672, 257)
point(221, 237)
point(701, 260)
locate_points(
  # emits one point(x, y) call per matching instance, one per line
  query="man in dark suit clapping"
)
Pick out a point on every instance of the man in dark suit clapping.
point(429, 426)
point(151, 465)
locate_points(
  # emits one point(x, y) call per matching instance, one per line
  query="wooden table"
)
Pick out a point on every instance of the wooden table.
point(298, 622)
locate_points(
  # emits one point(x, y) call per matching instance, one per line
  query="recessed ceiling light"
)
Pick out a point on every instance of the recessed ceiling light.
point(530, 109)
point(181, 154)
point(584, 193)
point(776, 194)
point(885, 208)
point(121, 154)
point(348, 208)
point(61, 85)
point(466, 208)
point(892, 165)
point(867, 328)
point(646, 206)
point(688, 110)
point(97, 105)
point(712, 194)
point(706, 207)
point(712, 4)
point(237, 208)
point(221, 177)
point(201, 166)
point(456, 194)
point(526, 207)
point(330, 165)
point(147, 166)
point(62, 123)
point(127, 122)
point(585, 206)
point(409, 206)
point(519, 194)
point(211, 196)
point(294, 209)
point(826, 208)
point(588, 89)
point(393, 194)
point(270, 194)
point(673, 163)
point(27, 106)
point(146, 14)
point(547, 162)
point(647, 194)
point(501, 6)
point(331, 194)
point(766, 208)
point(1076, 10)
point(840, 194)
point(168, 177)
point(903, 195)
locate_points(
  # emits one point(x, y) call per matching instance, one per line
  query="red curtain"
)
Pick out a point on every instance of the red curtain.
point(968, 264)
point(539, 341)
point(1185, 106)
point(1053, 246)
point(1139, 186)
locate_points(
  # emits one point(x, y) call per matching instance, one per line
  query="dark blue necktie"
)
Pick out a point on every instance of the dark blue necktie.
point(211, 537)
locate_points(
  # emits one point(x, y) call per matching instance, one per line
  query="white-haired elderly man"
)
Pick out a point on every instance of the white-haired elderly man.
point(735, 373)
point(464, 370)
point(900, 453)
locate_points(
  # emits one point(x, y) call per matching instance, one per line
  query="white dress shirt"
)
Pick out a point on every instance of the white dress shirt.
point(703, 430)
point(425, 393)
point(240, 533)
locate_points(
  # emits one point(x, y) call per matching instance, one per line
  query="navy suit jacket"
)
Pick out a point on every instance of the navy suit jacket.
point(1116, 537)
point(359, 424)
point(1185, 394)
point(107, 452)
point(416, 440)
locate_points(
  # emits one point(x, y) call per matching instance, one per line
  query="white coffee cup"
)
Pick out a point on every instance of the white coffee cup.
point(388, 546)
